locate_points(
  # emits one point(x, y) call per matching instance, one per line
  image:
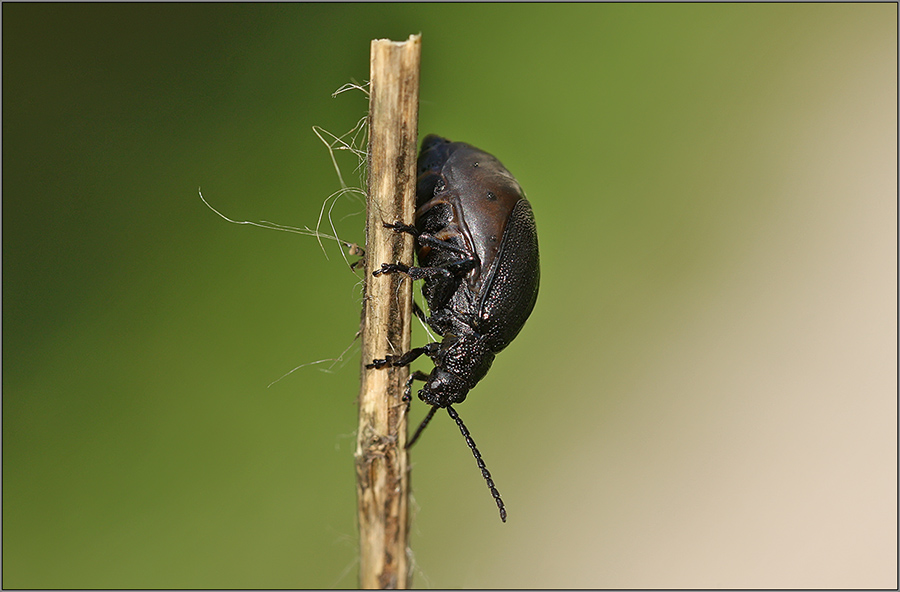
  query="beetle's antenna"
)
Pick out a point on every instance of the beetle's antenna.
point(422, 425)
point(484, 472)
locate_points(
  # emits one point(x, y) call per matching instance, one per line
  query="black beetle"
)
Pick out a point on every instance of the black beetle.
point(478, 254)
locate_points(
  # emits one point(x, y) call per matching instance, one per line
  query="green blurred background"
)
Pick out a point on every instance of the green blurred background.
point(705, 395)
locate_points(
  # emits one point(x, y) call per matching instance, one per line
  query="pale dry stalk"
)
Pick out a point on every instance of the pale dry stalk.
point(381, 459)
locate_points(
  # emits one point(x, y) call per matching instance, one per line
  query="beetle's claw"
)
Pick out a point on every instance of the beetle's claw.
point(391, 268)
point(380, 363)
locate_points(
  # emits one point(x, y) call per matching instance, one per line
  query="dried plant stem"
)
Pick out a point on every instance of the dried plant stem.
point(381, 459)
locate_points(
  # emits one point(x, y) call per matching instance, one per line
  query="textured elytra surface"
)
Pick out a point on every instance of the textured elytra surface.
point(512, 288)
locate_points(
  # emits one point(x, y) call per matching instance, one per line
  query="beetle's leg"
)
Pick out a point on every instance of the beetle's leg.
point(422, 425)
point(401, 227)
point(406, 359)
point(391, 268)
point(407, 392)
point(429, 240)
point(440, 282)
point(459, 267)
point(403, 360)
point(416, 273)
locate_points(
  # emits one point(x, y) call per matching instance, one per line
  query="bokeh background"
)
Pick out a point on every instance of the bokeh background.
point(705, 395)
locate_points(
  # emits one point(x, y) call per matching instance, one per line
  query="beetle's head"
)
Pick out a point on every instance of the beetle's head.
point(444, 389)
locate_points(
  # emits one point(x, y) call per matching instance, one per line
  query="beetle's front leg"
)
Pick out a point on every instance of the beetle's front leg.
point(407, 392)
point(429, 349)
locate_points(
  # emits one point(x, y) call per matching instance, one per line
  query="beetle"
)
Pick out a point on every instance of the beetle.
point(477, 251)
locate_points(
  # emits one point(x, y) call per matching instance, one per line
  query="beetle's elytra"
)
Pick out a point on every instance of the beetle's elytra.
point(477, 251)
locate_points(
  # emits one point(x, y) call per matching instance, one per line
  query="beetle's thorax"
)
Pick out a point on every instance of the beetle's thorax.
point(471, 201)
point(484, 195)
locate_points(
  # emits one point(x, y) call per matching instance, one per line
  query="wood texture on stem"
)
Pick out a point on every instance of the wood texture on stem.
point(381, 459)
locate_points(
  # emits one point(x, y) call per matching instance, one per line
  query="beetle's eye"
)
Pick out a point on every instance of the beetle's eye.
point(491, 196)
point(439, 186)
